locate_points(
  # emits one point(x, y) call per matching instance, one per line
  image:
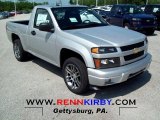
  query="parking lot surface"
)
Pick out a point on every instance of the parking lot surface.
point(37, 79)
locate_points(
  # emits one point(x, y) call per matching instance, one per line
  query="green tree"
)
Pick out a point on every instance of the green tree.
point(71, 2)
point(22, 0)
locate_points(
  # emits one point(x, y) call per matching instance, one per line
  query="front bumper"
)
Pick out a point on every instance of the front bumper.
point(141, 27)
point(104, 77)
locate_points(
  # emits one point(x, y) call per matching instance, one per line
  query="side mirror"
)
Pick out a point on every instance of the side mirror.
point(104, 16)
point(46, 27)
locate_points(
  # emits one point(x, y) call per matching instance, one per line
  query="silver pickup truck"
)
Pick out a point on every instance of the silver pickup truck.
point(76, 39)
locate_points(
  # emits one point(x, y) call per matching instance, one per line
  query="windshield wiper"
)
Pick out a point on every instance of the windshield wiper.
point(91, 24)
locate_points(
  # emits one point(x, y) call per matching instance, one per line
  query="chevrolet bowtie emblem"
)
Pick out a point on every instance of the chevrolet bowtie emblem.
point(136, 50)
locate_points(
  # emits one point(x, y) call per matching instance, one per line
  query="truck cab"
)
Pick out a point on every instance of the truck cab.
point(132, 17)
point(154, 10)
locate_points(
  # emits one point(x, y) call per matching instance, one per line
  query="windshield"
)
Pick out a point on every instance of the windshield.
point(152, 9)
point(77, 17)
point(132, 9)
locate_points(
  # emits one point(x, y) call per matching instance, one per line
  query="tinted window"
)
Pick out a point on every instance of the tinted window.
point(97, 10)
point(152, 9)
point(77, 17)
point(118, 9)
point(101, 12)
point(113, 10)
point(131, 9)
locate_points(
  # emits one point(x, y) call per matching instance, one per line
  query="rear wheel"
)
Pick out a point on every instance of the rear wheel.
point(126, 25)
point(19, 53)
point(75, 75)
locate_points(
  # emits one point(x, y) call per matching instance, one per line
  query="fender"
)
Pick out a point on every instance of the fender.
point(76, 47)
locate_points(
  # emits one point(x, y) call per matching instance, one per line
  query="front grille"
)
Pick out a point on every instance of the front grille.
point(130, 47)
point(133, 56)
point(147, 21)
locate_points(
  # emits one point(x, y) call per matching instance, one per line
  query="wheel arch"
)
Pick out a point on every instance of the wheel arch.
point(85, 57)
point(67, 53)
point(14, 37)
point(126, 21)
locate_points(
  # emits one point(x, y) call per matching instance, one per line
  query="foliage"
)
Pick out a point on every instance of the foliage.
point(71, 2)
point(108, 2)
point(20, 5)
point(25, 5)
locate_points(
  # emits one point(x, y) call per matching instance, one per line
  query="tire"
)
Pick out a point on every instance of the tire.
point(19, 52)
point(75, 75)
point(126, 25)
point(150, 32)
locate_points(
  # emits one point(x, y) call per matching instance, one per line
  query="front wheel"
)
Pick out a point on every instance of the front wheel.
point(75, 75)
point(127, 26)
point(150, 32)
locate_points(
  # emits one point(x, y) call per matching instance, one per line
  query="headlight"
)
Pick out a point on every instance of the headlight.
point(136, 19)
point(107, 63)
point(103, 50)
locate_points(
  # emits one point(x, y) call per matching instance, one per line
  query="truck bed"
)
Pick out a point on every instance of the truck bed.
point(24, 22)
point(17, 27)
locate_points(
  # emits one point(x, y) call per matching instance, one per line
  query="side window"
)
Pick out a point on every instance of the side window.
point(42, 16)
point(113, 9)
point(118, 9)
point(102, 12)
point(97, 11)
point(149, 9)
point(155, 9)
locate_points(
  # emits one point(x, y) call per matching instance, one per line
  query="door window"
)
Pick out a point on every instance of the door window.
point(42, 16)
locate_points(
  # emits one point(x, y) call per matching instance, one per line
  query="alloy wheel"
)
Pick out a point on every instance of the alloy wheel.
point(72, 76)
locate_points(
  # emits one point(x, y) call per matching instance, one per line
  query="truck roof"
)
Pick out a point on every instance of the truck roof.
point(125, 5)
point(50, 6)
point(153, 5)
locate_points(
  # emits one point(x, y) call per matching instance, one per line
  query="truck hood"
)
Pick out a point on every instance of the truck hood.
point(141, 16)
point(108, 35)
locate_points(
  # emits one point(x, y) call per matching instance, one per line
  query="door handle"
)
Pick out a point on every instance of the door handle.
point(33, 32)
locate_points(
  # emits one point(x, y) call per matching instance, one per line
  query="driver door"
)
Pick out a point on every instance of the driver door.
point(116, 18)
point(42, 43)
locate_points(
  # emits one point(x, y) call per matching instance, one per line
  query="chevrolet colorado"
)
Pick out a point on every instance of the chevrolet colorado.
point(132, 17)
point(78, 40)
point(154, 9)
